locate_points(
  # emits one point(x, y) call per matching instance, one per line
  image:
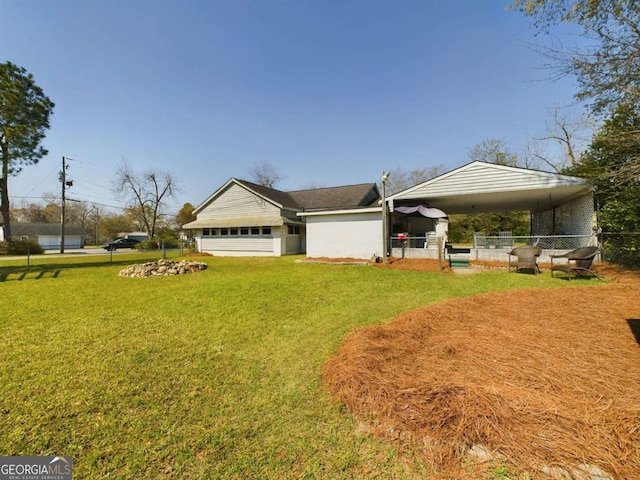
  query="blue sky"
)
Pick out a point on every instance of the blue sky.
point(328, 92)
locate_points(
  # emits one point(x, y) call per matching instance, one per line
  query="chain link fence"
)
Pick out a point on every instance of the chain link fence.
point(620, 248)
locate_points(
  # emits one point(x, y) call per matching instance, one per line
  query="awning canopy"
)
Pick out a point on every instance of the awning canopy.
point(273, 221)
point(421, 210)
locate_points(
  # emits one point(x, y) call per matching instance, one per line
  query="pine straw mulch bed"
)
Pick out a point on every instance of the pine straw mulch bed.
point(544, 378)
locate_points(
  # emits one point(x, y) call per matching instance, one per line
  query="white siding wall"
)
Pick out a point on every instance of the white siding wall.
point(277, 244)
point(235, 202)
point(236, 246)
point(352, 235)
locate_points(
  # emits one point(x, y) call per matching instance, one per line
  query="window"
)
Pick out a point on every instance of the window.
point(233, 231)
point(266, 230)
point(224, 231)
point(205, 232)
point(293, 229)
point(255, 230)
point(244, 230)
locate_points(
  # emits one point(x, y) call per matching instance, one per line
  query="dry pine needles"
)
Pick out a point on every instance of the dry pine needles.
point(546, 379)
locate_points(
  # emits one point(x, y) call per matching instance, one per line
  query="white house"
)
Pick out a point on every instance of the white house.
point(47, 235)
point(245, 219)
point(242, 218)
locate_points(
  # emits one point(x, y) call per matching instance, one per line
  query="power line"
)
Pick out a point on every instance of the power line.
point(42, 181)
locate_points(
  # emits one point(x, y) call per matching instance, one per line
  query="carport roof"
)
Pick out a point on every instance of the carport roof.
point(486, 187)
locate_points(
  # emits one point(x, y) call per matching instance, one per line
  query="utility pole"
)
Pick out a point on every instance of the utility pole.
point(65, 184)
point(97, 219)
point(385, 233)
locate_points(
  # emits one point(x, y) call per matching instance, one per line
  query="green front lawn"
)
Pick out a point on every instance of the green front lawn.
point(208, 375)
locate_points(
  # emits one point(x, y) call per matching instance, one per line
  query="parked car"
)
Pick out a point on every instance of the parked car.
point(121, 243)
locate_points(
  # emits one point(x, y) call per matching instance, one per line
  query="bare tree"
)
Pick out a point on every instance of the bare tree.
point(606, 66)
point(400, 179)
point(266, 174)
point(607, 69)
point(145, 193)
point(568, 134)
point(493, 150)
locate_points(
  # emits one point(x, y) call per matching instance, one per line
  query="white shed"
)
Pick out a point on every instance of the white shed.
point(350, 233)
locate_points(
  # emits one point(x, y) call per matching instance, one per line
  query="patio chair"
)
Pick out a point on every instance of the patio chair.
point(578, 262)
point(505, 239)
point(480, 240)
point(526, 257)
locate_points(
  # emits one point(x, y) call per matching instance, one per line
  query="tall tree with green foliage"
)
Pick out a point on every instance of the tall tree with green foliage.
point(608, 69)
point(611, 163)
point(185, 214)
point(608, 75)
point(24, 119)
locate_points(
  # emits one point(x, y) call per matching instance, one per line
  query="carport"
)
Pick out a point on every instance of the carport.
point(561, 209)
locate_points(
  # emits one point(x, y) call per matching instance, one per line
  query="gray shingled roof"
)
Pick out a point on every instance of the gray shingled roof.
point(35, 229)
point(277, 196)
point(348, 196)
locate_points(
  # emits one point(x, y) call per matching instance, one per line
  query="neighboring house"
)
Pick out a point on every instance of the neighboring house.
point(47, 235)
point(245, 219)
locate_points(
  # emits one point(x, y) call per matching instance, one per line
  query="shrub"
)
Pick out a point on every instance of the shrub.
point(20, 247)
point(621, 248)
point(156, 244)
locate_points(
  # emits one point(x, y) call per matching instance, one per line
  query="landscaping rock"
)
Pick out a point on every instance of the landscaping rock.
point(162, 268)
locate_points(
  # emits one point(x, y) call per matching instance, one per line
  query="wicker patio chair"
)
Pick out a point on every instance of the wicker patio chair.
point(526, 257)
point(578, 262)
